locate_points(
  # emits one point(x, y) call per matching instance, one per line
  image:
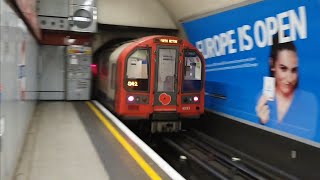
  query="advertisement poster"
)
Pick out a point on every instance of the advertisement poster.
point(263, 64)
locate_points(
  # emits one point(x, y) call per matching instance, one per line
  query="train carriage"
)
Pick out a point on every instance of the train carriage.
point(155, 78)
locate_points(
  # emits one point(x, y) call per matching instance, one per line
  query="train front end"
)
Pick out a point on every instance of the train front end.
point(163, 82)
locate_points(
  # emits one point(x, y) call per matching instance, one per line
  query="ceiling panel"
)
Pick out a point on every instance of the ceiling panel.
point(182, 10)
point(136, 13)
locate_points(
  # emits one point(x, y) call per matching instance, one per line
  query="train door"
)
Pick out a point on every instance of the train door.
point(166, 78)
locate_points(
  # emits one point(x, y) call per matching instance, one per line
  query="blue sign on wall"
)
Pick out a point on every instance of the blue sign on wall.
point(243, 47)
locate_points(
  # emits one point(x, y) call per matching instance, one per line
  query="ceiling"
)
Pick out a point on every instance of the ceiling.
point(183, 10)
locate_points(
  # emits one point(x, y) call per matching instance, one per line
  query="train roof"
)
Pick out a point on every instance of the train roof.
point(118, 48)
point(146, 38)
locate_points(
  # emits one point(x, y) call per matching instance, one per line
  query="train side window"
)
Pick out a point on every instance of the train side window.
point(104, 68)
point(137, 70)
point(113, 76)
point(192, 72)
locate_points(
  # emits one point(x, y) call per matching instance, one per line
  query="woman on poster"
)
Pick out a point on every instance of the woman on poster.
point(292, 110)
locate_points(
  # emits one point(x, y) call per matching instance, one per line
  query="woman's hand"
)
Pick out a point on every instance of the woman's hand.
point(262, 110)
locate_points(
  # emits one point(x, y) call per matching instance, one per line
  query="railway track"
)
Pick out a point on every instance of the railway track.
point(219, 160)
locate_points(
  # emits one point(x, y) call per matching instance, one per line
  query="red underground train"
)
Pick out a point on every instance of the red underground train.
point(155, 78)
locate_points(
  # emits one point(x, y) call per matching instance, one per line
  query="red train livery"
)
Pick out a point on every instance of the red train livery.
point(156, 78)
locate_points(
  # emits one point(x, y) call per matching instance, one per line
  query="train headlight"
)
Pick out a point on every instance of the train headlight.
point(130, 98)
point(195, 98)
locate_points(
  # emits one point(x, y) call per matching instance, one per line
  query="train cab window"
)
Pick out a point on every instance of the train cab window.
point(137, 75)
point(192, 72)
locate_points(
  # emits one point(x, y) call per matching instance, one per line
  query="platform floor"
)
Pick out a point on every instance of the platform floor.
point(66, 141)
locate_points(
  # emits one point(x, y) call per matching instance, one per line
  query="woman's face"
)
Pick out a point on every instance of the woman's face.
point(286, 72)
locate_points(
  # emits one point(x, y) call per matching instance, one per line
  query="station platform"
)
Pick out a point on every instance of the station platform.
point(78, 141)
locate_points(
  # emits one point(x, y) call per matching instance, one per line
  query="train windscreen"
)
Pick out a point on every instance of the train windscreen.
point(137, 75)
point(192, 72)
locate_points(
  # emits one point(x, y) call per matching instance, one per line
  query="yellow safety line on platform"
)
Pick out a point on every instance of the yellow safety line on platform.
point(136, 156)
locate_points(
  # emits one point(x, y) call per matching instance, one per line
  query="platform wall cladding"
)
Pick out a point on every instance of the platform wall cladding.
point(18, 86)
point(263, 65)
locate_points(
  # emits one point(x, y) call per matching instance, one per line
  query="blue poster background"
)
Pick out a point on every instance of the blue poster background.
point(239, 83)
